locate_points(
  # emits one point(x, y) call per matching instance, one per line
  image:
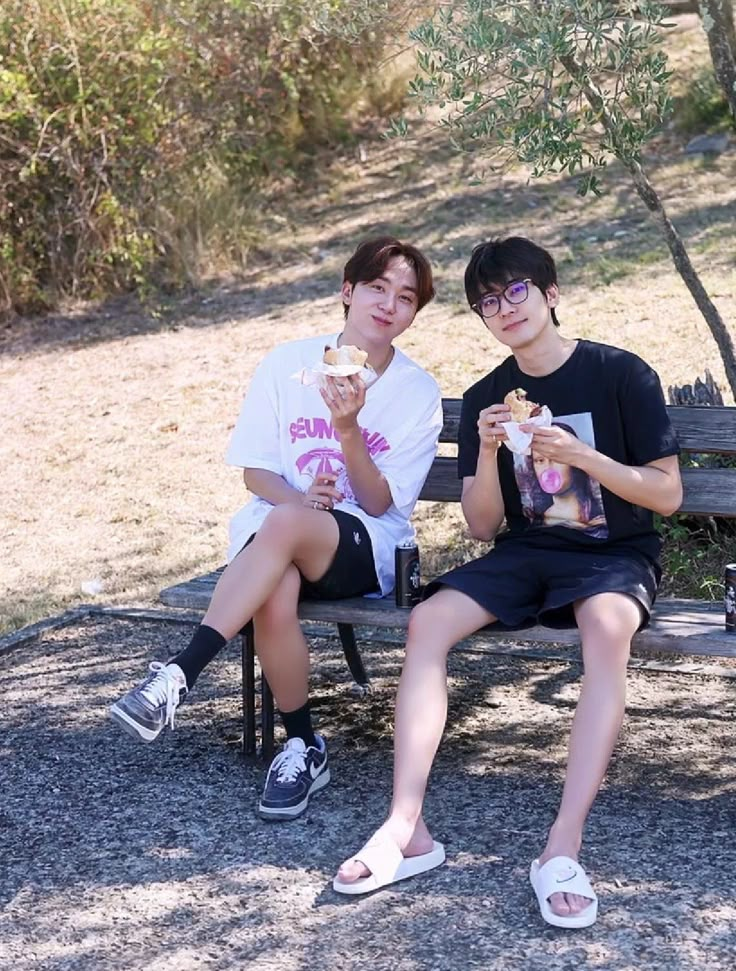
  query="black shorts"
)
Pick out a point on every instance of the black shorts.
point(352, 571)
point(524, 584)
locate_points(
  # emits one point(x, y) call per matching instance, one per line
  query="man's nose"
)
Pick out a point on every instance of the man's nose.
point(388, 301)
point(505, 305)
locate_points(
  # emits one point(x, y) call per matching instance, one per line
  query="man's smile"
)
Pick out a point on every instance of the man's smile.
point(514, 323)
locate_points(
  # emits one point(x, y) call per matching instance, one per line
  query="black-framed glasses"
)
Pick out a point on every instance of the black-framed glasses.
point(490, 303)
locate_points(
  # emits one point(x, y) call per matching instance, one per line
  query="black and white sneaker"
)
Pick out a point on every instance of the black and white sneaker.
point(295, 774)
point(147, 709)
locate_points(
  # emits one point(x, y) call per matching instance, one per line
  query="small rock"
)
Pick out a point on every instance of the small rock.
point(707, 144)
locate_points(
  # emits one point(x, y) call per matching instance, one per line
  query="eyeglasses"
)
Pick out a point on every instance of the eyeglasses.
point(490, 303)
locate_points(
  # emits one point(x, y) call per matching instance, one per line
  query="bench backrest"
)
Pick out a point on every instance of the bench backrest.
point(707, 491)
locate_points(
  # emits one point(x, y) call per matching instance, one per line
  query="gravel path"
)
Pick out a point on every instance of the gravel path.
point(119, 855)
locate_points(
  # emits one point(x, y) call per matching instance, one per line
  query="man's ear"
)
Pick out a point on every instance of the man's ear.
point(347, 293)
point(553, 295)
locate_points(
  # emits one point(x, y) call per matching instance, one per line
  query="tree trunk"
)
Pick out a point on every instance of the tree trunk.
point(651, 200)
point(718, 24)
point(730, 24)
point(687, 271)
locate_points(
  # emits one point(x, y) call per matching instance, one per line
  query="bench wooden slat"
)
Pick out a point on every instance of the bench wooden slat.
point(678, 626)
point(707, 492)
point(442, 483)
point(699, 429)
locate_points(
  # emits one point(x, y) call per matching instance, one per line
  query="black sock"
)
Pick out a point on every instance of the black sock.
point(206, 643)
point(298, 724)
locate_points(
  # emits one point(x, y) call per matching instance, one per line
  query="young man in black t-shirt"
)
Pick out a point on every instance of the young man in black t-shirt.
point(578, 548)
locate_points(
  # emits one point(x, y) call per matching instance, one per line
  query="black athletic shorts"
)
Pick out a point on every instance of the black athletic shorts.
point(352, 571)
point(523, 583)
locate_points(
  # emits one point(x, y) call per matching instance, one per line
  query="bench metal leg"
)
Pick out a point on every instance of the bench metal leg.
point(267, 720)
point(248, 655)
point(353, 658)
point(354, 661)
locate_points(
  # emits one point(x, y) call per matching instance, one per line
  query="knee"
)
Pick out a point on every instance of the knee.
point(420, 620)
point(282, 527)
point(607, 625)
point(281, 520)
point(425, 629)
point(281, 606)
point(606, 644)
point(616, 626)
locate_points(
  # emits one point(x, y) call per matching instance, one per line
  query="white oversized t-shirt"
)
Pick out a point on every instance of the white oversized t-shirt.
point(285, 427)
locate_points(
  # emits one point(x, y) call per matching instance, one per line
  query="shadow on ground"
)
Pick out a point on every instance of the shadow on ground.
point(434, 201)
point(122, 855)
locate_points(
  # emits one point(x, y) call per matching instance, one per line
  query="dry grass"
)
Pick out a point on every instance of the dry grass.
point(112, 447)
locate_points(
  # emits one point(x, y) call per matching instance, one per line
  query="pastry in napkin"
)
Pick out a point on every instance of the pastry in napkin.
point(338, 362)
point(523, 412)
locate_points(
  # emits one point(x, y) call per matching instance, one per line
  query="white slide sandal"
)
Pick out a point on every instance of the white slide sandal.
point(388, 865)
point(562, 874)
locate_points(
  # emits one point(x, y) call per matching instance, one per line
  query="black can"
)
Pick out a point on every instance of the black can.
point(408, 575)
point(730, 598)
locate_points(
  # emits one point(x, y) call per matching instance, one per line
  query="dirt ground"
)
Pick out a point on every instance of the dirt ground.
point(118, 855)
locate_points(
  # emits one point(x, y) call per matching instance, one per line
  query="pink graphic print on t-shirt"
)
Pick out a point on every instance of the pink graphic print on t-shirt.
point(557, 494)
point(323, 458)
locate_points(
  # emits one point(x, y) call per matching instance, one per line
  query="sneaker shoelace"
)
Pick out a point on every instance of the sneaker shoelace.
point(288, 764)
point(162, 688)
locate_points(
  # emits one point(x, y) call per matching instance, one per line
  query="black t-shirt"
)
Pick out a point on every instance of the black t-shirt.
point(605, 396)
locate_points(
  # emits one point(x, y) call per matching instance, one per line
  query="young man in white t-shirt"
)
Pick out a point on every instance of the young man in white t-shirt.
point(335, 473)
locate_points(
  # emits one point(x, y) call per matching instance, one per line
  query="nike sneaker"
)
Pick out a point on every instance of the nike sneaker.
point(148, 708)
point(295, 774)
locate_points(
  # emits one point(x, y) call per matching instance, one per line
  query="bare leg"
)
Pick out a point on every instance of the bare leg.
point(607, 622)
point(421, 709)
point(282, 648)
point(296, 535)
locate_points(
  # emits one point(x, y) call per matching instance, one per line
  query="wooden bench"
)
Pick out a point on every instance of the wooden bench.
point(677, 626)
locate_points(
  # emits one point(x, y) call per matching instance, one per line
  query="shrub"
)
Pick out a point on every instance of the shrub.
point(114, 111)
point(703, 106)
point(697, 548)
point(695, 552)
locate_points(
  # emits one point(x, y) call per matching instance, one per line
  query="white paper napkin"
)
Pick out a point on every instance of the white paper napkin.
point(519, 441)
point(315, 375)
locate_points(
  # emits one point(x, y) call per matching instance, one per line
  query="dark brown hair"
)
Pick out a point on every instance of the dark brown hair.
point(372, 256)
